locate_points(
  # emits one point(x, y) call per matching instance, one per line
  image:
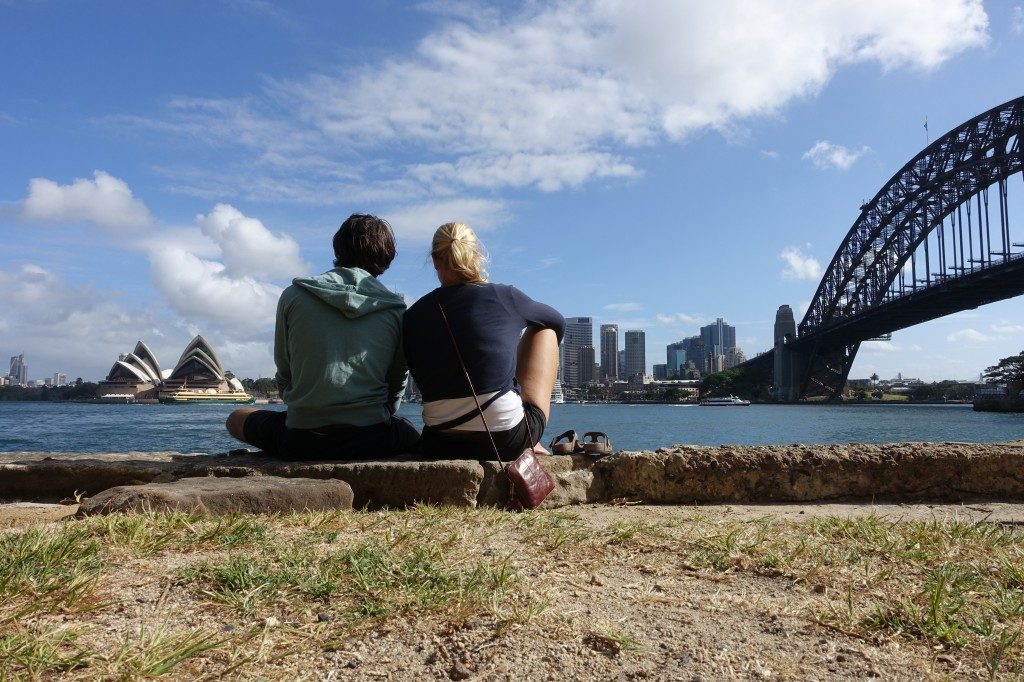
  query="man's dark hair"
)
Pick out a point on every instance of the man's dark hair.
point(364, 241)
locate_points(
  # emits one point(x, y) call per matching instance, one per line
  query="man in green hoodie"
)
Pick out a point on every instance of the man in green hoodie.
point(340, 366)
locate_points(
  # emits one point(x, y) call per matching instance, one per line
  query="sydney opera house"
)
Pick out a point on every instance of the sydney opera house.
point(198, 377)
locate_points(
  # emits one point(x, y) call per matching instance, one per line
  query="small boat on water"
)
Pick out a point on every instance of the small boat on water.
point(727, 401)
point(557, 397)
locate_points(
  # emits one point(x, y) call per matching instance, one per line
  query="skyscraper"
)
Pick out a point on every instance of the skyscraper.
point(636, 357)
point(718, 337)
point(609, 351)
point(579, 333)
point(586, 355)
point(622, 364)
point(675, 358)
point(19, 371)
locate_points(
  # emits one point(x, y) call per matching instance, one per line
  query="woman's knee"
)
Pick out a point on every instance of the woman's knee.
point(236, 422)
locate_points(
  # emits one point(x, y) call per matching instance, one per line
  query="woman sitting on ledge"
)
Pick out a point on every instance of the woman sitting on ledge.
point(512, 370)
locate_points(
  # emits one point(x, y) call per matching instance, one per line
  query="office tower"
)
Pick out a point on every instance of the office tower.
point(586, 355)
point(19, 371)
point(636, 358)
point(675, 358)
point(621, 357)
point(60, 379)
point(579, 332)
point(734, 356)
point(660, 372)
point(610, 351)
point(718, 337)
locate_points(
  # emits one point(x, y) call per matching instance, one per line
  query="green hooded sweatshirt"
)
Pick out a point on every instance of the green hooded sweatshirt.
point(338, 350)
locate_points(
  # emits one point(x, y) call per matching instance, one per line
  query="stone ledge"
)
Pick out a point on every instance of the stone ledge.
point(682, 474)
point(216, 496)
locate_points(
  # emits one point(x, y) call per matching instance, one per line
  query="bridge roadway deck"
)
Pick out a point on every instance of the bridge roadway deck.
point(985, 285)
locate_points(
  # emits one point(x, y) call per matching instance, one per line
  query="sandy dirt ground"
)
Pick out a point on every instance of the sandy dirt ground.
point(603, 592)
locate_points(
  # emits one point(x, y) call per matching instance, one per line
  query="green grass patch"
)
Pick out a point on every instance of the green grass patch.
point(48, 569)
point(34, 652)
point(374, 579)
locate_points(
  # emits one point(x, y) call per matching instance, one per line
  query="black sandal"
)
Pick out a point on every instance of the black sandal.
point(599, 445)
point(568, 447)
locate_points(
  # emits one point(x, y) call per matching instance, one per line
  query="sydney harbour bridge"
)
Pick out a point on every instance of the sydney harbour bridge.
point(935, 240)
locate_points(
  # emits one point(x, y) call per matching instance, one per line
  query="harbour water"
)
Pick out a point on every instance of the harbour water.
point(78, 427)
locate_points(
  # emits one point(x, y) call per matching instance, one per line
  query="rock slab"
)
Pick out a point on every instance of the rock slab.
point(217, 496)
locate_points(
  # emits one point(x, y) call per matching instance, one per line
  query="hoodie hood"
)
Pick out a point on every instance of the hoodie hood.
point(353, 291)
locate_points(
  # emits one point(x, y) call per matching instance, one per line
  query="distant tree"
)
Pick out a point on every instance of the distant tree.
point(78, 381)
point(859, 394)
point(741, 382)
point(874, 378)
point(1007, 370)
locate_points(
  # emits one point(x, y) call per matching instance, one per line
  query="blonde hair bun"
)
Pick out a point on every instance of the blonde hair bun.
point(456, 247)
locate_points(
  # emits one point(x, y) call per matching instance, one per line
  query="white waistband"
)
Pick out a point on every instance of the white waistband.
point(503, 414)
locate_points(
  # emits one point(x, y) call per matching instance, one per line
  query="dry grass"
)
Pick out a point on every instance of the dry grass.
point(146, 595)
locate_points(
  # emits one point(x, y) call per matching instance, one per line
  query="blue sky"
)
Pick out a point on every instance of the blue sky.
point(168, 167)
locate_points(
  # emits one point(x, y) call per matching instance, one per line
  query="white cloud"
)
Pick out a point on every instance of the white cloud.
point(769, 154)
point(203, 289)
point(877, 347)
point(61, 326)
point(249, 248)
point(1017, 22)
point(826, 155)
point(623, 307)
point(675, 318)
point(418, 222)
point(219, 272)
point(558, 96)
point(105, 200)
point(1008, 328)
point(967, 335)
point(798, 265)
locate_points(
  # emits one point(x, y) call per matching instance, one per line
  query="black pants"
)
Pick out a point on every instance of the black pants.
point(475, 444)
point(266, 430)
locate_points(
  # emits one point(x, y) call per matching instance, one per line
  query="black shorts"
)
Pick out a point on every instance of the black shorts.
point(475, 444)
point(266, 430)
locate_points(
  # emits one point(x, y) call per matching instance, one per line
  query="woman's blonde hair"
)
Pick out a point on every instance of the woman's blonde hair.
point(456, 248)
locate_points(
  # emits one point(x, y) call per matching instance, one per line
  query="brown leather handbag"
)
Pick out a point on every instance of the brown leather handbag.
point(525, 474)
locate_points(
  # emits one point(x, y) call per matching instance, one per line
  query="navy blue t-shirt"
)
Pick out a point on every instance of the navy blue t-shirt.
point(486, 320)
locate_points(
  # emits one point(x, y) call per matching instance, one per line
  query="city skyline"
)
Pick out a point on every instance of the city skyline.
point(657, 171)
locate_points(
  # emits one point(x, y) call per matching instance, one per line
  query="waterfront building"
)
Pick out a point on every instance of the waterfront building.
point(586, 369)
point(675, 358)
point(734, 356)
point(609, 351)
point(19, 370)
point(133, 376)
point(137, 376)
point(718, 337)
point(636, 354)
point(660, 372)
point(579, 333)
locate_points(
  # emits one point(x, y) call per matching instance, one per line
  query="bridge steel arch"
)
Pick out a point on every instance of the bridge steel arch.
point(914, 216)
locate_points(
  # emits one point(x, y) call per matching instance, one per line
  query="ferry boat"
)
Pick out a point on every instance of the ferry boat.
point(727, 401)
point(209, 396)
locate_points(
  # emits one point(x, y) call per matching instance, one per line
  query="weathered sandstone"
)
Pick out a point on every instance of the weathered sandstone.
point(682, 474)
point(250, 495)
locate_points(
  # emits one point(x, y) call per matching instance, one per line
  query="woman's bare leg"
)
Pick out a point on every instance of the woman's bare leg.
point(236, 422)
point(537, 369)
